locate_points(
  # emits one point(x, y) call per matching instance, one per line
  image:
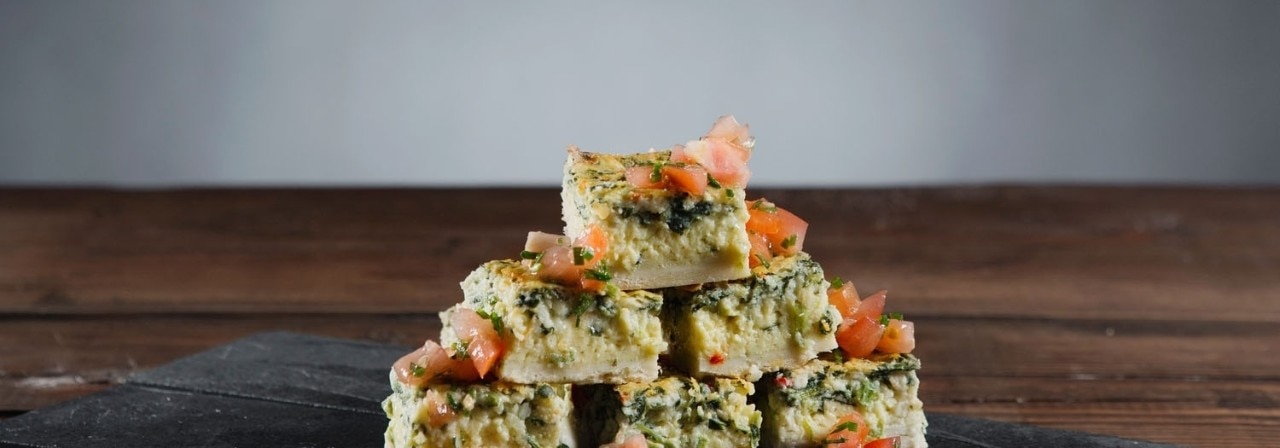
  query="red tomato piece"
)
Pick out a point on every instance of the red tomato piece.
point(845, 298)
point(899, 337)
point(716, 359)
point(728, 128)
point(423, 365)
point(848, 432)
point(789, 239)
point(759, 249)
point(463, 370)
point(762, 219)
point(690, 179)
point(484, 346)
point(642, 177)
point(438, 411)
point(725, 162)
point(782, 381)
point(887, 442)
point(557, 266)
point(597, 241)
point(871, 307)
point(858, 337)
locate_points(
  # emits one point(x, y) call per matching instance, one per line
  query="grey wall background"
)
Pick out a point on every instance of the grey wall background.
point(132, 92)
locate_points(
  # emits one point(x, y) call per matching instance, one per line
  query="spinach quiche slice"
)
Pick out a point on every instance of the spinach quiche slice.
point(778, 318)
point(657, 237)
point(479, 415)
point(675, 411)
point(557, 334)
point(801, 406)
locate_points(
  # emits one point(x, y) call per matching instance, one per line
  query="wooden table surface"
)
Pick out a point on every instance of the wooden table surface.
point(1151, 313)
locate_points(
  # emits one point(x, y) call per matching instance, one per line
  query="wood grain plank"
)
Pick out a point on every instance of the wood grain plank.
point(48, 360)
point(1139, 253)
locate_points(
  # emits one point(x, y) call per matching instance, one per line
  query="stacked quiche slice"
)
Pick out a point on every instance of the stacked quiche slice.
point(673, 311)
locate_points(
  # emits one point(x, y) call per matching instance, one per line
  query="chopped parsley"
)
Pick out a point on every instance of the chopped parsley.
point(656, 175)
point(789, 241)
point(582, 254)
point(417, 370)
point(601, 273)
point(460, 349)
point(846, 426)
point(884, 318)
point(837, 283)
point(494, 319)
point(764, 206)
point(530, 255)
point(712, 181)
point(763, 262)
point(584, 303)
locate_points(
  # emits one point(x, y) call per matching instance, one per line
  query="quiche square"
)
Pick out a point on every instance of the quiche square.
point(657, 237)
point(801, 406)
point(552, 333)
point(481, 415)
point(778, 318)
point(673, 411)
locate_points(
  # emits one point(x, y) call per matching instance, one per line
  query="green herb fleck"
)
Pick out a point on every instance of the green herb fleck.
point(837, 283)
point(601, 273)
point(460, 349)
point(712, 181)
point(763, 262)
point(561, 359)
point(728, 193)
point(764, 206)
point(789, 241)
point(530, 255)
point(581, 255)
point(544, 391)
point(656, 175)
point(453, 402)
point(493, 317)
point(584, 303)
point(417, 369)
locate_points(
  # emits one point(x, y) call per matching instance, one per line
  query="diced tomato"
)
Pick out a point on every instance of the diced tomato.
point(887, 442)
point(759, 249)
point(596, 240)
point(858, 337)
point(848, 432)
point(558, 267)
point(728, 128)
point(789, 238)
point(540, 241)
point(722, 160)
point(716, 359)
point(463, 370)
point(845, 298)
point(438, 411)
point(484, 346)
point(782, 381)
point(762, 220)
point(899, 337)
point(871, 307)
point(642, 177)
point(422, 365)
point(690, 179)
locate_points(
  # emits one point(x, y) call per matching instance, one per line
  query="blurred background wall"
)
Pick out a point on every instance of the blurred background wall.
point(133, 92)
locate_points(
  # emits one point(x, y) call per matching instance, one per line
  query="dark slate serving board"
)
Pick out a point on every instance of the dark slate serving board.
point(294, 390)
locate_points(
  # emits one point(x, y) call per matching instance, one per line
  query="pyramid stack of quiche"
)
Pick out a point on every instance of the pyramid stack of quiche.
point(673, 311)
